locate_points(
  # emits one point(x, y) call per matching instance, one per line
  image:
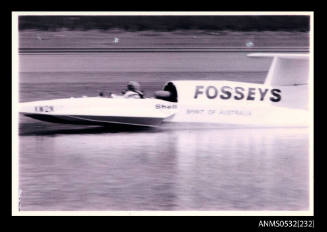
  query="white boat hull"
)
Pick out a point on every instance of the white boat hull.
point(99, 111)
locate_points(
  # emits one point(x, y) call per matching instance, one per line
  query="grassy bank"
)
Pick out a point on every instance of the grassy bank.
point(117, 38)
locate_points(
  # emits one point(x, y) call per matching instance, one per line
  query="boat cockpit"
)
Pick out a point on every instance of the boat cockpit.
point(168, 93)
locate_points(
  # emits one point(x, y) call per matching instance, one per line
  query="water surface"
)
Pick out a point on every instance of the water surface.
point(66, 167)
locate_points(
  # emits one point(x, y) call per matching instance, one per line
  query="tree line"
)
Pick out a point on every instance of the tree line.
point(166, 23)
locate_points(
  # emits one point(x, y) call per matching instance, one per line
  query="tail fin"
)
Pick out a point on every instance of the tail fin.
point(290, 74)
point(286, 69)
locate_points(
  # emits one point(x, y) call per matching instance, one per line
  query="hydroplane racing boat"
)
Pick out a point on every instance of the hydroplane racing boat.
point(282, 100)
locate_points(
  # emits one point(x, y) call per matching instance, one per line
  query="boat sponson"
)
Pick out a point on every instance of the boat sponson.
point(97, 120)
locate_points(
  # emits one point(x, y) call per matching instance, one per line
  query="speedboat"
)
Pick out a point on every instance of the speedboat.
point(283, 100)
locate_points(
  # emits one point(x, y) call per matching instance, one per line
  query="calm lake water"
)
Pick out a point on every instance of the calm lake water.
point(66, 167)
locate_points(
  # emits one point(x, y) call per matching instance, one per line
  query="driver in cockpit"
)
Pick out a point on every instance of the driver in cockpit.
point(133, 90)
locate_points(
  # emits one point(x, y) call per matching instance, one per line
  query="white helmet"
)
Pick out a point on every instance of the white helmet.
point(133, 86)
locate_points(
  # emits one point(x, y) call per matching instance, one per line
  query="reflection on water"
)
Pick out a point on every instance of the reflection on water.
point(166, 169)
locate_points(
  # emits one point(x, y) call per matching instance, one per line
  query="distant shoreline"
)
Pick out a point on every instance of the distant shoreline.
point(176, 49)
point(97, 41)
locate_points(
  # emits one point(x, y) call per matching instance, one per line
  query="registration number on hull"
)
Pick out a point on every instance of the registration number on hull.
point(43, 109)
